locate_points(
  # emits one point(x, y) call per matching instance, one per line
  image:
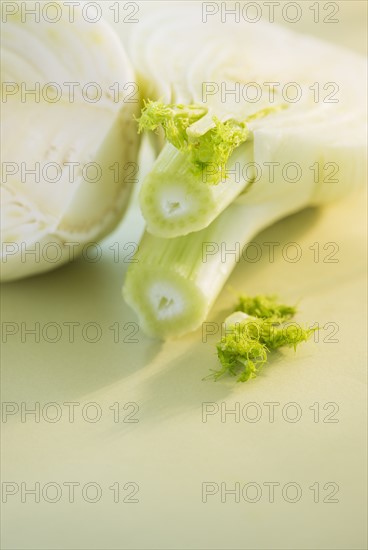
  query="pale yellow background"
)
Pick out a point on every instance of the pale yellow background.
point(171, 452)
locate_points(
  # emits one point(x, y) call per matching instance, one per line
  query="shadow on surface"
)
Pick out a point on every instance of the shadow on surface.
point(72, 299)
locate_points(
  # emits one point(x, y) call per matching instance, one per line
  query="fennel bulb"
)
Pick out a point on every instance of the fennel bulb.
point(284, 87)
point(69, 147)
point(176, 280)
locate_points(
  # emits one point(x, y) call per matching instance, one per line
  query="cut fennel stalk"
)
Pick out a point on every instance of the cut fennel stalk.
point(175, 202)
point(174, 282)
point(197, 174)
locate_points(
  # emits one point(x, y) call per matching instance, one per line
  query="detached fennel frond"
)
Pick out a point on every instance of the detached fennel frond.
point(248, 338)
point(266, 307)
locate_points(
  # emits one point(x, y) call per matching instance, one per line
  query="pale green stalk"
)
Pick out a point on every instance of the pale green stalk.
point(205, 164)
point(175, 202)
point(174, 282)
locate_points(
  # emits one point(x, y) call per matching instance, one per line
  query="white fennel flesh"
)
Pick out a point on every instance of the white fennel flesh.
point(69, 148)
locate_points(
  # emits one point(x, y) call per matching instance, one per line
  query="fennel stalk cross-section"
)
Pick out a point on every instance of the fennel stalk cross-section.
point(68, 139)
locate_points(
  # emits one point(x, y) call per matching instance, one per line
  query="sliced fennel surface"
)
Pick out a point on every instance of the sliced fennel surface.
point(229, 57)
point(235, 71)
point(64, 150)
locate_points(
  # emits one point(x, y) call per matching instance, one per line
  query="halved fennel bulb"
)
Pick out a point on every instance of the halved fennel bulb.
point(310, 153)
point(235, 71)
point(69, 147)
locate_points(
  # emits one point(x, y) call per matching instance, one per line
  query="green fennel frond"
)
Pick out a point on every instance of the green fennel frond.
point(266, 307)
point(264, 326)
point(241, 353)
point(208, 153)
point(174, 119)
